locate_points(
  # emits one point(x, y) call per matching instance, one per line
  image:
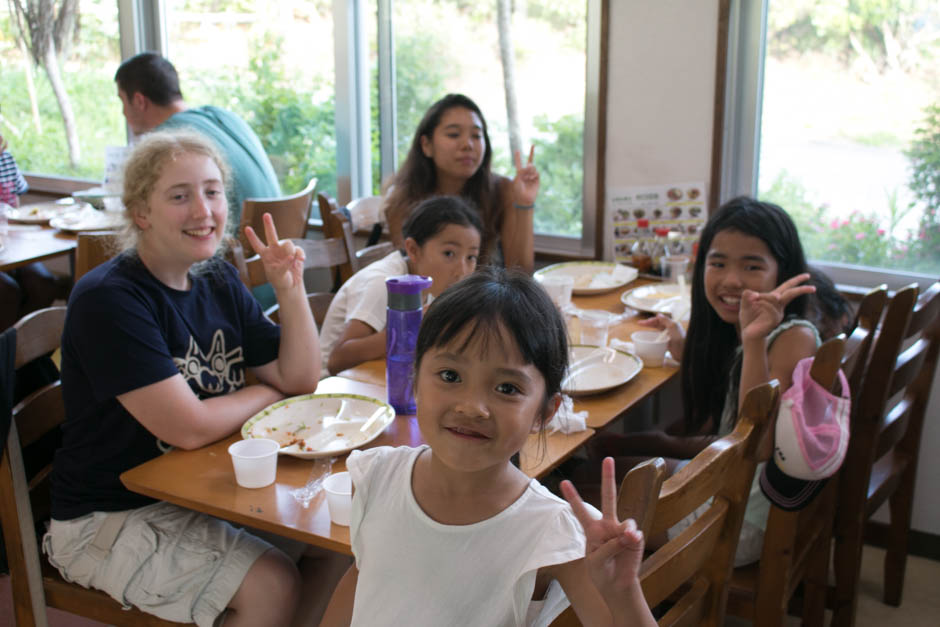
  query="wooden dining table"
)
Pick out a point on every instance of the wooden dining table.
point(28, 243)
point(602, 408)
point(203, 479)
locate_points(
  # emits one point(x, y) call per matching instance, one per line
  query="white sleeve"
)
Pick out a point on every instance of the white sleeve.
point(562, 541)
point(360, 464)
point(369, 301)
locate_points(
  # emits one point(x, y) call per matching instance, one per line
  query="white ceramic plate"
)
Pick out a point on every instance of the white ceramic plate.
point(88, 219)
point(655, 298)
point(612, 368)
point(320, 425)
point(592, 277)
point(42, 212)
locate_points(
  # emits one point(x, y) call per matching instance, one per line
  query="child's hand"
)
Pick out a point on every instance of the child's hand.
point(762, 312)
point(614, 549)
point(525, 185)
point(676, 332)
point(283, 262)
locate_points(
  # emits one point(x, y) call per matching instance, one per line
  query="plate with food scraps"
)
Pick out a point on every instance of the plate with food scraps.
point(596, 369)
point(88, 219)
point(42, 212)
point(320, 425)
point(656, 297)
point(592, 277)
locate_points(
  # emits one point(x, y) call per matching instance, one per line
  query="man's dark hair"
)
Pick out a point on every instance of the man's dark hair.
point(151, 75)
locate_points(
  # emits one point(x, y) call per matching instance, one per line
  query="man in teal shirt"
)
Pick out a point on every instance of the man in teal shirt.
point(149, 89)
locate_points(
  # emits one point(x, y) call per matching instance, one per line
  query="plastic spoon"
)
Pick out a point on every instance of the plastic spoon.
point(371, 421)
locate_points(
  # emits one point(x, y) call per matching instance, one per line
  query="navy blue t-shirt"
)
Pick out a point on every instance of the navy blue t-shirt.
point(124, 330)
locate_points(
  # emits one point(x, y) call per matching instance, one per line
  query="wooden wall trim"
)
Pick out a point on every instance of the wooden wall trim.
point(718, 121)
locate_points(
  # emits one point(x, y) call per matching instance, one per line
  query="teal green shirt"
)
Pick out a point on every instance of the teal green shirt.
point(252, 173)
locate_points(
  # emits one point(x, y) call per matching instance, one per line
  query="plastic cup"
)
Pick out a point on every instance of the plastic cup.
point(672, 266)
point(255, 462)
point(595, 325)
point(338, 488)
point(559, 287)
point(650, 348)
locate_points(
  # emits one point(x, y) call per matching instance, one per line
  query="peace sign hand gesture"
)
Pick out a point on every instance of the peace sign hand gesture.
point(614, 549)
point(762, 312)
point(283, 261)
point(525, 185)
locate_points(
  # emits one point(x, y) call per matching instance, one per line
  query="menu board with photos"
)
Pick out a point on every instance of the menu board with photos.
point(678, 207)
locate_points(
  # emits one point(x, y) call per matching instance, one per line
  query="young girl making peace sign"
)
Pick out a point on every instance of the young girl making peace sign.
point(749, 299)
point(452, 533)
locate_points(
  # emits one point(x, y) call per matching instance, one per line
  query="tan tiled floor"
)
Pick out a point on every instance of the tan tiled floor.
point(921, 606)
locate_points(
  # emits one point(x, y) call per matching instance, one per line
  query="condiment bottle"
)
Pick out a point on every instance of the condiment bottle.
point(403, 322)
point(658, 249)
point(640, 250)
point(674, 243)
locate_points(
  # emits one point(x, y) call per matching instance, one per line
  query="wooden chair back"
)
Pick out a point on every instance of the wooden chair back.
point(796, 543)
point(24, 501)
point(290, 215)
point(92, 249)
point(368, 254)
point(692, 569)
point(325, 253)
point(336, 224)
point(858, 344)
point(881, 463)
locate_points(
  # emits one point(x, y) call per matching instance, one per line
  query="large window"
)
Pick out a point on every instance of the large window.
point(62, 130)
point(271, 63)
point(326, 99)
point(847, 128)
point(470, 50)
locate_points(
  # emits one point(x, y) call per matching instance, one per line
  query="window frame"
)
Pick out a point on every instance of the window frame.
point(741, 102)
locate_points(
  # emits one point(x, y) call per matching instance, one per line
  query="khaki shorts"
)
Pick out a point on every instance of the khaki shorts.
point(167, 561)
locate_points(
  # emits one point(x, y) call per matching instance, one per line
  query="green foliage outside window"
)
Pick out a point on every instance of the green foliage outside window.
point(924, 154)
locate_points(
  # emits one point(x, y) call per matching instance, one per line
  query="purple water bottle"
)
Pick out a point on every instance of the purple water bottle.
point(403, 322)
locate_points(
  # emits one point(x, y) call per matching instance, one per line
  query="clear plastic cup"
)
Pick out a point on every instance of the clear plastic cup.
point(559, 287)
point(595, 325)
point(255, 462)
point(673, 266)
point(650, 347)
point(338, 488)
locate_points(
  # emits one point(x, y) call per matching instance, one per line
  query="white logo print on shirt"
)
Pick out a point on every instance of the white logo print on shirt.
point(214, 373)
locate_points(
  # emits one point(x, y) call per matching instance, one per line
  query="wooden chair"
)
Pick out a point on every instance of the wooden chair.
point(290, 214)
point(92, 249)
point(692, 570)
point(797, 543)
point(881, 463)
point(25, 500)
point(337, 224)
point(326, 253)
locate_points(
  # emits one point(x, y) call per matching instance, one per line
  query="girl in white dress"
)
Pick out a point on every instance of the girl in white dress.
point(452, 533)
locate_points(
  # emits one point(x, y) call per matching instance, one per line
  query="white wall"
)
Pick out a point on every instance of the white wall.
point(661, 85)
point(661, 88)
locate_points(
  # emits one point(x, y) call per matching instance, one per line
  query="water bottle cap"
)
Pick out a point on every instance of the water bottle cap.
point(407, 284)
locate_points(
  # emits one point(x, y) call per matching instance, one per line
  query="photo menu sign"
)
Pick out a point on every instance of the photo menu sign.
point(637, 212)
